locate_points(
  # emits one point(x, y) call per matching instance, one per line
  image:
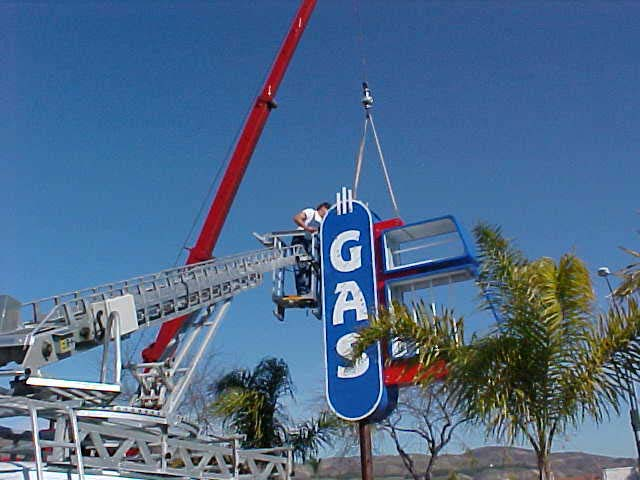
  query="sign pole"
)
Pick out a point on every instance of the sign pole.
point(366, 457)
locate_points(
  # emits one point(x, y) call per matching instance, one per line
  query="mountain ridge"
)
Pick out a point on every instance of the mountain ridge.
point(484, 463)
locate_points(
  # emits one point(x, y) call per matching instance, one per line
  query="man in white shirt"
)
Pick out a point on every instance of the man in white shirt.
point(308, 220)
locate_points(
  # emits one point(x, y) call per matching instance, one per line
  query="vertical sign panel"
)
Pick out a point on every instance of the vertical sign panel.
point(354, 388)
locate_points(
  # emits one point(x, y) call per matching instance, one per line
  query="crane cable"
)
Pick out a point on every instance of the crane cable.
point(367, 103)
point(356, 180)
point(360, 40)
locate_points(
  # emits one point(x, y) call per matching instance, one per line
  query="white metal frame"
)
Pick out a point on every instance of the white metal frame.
point(89, 433)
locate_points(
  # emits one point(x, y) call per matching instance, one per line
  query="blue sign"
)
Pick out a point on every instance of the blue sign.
point(354, 389)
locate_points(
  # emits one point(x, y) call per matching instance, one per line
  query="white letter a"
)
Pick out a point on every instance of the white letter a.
point(357, 302)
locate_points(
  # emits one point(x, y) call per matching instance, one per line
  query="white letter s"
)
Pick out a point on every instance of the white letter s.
point(345, 350)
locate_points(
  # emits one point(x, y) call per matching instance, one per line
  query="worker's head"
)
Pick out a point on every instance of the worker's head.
point(322, 208)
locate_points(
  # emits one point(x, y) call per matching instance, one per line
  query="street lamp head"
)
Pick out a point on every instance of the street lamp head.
point(604, 272)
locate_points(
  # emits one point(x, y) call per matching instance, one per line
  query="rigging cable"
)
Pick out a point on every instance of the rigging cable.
point(367, 103)
point(384, 167)
point(356, 180)
point(360, 40)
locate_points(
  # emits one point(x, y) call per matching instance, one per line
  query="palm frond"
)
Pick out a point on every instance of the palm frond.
point(239, 378)
point(498, 259)
point(307, 438)
point(433, 336)
point(249, 402)
point(617, 340)
point(272, 377)
point(630, 276)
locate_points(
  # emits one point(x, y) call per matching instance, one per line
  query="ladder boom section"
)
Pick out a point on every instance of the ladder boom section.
point(45, 331)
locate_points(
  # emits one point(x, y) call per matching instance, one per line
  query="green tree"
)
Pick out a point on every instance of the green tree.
point(314, 463)
point(250, 402)
point(308, 437)
point(545, 366)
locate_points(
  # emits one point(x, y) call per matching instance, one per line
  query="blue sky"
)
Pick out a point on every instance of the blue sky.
point(118, 115)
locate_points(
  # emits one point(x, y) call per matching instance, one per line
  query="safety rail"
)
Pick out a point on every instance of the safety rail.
point(73, 320)
point(133, 442)
point(308, 264)
point(150, 282)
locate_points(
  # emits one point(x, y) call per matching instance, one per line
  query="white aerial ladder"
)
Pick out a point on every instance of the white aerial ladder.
point(88, 432)
point(147, 438)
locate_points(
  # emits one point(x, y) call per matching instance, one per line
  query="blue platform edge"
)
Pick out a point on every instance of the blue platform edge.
point(467, 259)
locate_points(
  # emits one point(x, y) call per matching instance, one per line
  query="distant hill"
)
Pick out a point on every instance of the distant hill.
point(486, 463)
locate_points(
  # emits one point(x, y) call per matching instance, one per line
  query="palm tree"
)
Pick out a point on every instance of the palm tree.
point(306, 438)
point(250, 403)
point(545, 366)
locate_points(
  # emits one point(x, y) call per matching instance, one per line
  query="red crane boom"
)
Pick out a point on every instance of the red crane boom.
point(238, 163)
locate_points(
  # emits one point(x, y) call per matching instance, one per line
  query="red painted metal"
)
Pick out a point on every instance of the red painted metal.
point(237, 166)
point(410, 372)
point(381, 277)
point(398, 372)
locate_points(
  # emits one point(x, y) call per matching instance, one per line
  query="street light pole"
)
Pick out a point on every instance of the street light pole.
point(604, 272)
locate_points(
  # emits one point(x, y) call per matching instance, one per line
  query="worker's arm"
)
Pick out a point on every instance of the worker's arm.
point(299, 220)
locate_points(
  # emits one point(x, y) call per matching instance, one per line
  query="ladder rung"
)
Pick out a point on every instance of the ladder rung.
point(53, 443)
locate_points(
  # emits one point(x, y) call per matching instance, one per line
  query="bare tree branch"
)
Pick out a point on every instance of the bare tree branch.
point(430, 414)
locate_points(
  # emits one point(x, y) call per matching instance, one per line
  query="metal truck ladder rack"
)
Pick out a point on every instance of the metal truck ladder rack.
point(66, 440)
point(134, 442)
